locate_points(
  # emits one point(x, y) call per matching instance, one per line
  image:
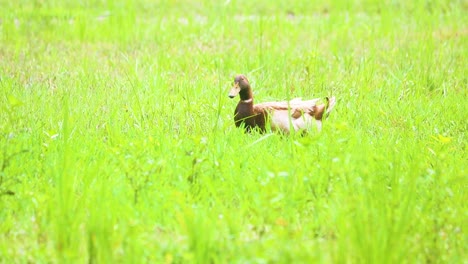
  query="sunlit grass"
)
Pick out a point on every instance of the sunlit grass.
point(117, 140)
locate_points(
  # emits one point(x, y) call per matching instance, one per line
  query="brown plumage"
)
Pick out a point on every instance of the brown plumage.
point(280, 116)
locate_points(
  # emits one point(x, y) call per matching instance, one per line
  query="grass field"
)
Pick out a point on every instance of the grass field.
point(118, 145)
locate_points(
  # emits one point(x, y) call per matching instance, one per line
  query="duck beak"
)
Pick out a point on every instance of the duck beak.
point(234, 90)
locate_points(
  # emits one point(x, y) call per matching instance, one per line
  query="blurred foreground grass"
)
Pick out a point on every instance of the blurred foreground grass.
point(117, 141)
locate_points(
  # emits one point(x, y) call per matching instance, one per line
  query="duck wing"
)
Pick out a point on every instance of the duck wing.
point(296, 107)
point(295, 114)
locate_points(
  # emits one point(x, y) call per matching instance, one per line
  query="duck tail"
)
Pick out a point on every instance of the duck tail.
point(323, 109)
point(331, 101)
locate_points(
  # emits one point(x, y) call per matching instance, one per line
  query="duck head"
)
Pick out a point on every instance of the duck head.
point(241, 86)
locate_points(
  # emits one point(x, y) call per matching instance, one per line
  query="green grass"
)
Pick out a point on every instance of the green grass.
point(118, 145)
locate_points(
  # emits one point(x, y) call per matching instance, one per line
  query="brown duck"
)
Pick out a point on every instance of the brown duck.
point(279, 116)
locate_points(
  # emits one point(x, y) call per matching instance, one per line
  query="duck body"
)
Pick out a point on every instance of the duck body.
point(297, 115)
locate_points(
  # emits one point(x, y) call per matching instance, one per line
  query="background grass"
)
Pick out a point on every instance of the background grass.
point(118, 144)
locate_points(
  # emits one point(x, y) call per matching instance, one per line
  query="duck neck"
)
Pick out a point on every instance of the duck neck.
point(245, 107)
point(246, 95)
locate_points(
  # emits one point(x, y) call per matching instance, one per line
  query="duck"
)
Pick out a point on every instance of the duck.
point(284, 117)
